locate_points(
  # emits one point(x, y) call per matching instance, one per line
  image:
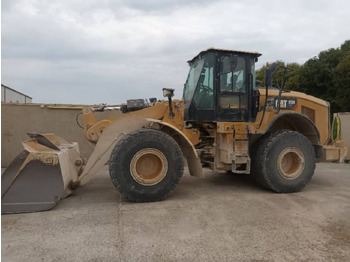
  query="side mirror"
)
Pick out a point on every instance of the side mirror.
point(269, 72)
point(168, 92)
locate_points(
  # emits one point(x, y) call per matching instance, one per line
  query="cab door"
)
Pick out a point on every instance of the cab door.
point(233, 89)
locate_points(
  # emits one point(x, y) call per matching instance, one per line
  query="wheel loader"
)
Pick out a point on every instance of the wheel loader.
point(223, 122)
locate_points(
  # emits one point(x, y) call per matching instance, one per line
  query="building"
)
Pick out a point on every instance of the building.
point(9, 95)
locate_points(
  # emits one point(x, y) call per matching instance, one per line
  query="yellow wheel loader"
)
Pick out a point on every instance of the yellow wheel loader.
point(223, 122)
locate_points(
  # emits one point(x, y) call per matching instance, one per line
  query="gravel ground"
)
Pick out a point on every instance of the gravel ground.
point(220, 218)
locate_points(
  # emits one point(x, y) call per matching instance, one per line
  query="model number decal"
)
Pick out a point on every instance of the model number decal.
point(286, 103)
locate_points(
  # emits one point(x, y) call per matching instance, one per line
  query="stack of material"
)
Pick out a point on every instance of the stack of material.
point(336, 152)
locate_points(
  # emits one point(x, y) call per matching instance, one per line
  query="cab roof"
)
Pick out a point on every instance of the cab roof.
point(255, 54)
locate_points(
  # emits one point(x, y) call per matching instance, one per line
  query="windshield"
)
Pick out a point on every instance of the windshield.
point(192, 79)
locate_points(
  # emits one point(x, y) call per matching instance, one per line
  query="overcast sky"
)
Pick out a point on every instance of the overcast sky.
point(91, 52)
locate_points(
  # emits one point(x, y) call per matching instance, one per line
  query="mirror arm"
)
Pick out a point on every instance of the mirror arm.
point(262, 118)
point(285, 69)
point(171, 112)
point(278, 106)
point(269, 73)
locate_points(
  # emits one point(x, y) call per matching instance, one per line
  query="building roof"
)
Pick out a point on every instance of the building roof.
point(255, 54)
point(16, 91)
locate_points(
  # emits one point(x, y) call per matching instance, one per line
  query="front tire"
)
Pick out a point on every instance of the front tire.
point(146, 165)
point(284, 161)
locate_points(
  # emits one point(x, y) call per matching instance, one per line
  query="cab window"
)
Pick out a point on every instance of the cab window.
point(233, 84)
point(233, 81)
point(204, 94)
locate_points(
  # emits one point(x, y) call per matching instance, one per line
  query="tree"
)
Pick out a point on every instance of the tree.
point(326, 76)
point(292, 77)
point(317, 75)
point(341, 81)
point(291, 81)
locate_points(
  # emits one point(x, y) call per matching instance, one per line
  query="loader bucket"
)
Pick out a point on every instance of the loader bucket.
point(40, 176)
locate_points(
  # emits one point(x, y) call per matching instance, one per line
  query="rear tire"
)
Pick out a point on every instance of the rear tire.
point(146, 165)
point(284, 161)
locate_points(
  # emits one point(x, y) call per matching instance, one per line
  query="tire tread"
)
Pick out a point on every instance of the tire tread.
point(261, 150)
point(141, 134)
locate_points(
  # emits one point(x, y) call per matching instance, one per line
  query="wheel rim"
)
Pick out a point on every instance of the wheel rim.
point(148, 166)
point(291, 163)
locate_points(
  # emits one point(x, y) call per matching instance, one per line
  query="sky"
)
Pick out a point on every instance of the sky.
point(92, 52)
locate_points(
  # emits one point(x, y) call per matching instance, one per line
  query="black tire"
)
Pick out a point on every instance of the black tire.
point(269, 154)
point(128, 147)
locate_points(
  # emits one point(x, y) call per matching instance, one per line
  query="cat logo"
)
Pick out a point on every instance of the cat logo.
point(286, 103)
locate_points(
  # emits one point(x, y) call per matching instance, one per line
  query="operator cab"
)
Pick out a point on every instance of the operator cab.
point(221, 86)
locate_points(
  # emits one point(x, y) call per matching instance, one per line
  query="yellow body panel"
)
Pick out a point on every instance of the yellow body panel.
point(319, 106)
point(160, 111)
point(178, 121)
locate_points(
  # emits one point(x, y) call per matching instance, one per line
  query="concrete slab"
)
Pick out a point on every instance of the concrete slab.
point(220, 218)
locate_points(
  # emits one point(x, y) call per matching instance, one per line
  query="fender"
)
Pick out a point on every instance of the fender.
point(297, 122)
point(188, 149)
